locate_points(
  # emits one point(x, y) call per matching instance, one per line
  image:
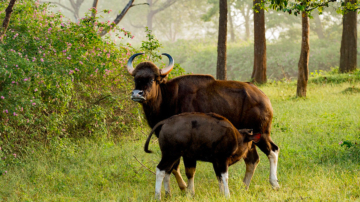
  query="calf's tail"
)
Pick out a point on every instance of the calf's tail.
point(146, 147)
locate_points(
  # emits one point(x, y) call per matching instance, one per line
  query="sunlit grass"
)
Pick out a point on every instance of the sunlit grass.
point(312, 164)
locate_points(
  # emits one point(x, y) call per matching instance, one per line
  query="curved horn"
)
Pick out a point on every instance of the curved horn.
point(129, 65)
point(170, 66)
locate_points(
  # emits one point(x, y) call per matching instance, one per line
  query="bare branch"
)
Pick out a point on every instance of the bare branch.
point(72, 4)
point(5, 25)
point(140, 4)
point(145, 166)
point(119, 17)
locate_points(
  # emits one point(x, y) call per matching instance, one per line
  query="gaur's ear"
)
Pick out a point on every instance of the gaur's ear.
point(163, 79)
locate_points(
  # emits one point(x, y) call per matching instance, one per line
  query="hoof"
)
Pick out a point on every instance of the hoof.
point(183, 188)
point(275, 185)
point(167, 194)
point(157, 197)
point(190, 194)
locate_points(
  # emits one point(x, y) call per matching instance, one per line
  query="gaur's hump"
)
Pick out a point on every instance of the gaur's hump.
point(193, 78)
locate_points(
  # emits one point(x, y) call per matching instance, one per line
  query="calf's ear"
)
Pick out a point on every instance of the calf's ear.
point(255, 138)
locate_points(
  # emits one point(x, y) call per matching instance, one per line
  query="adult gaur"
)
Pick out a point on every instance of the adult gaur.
point(240, 102)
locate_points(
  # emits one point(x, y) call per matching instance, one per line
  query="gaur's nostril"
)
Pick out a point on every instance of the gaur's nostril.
point(141, 92)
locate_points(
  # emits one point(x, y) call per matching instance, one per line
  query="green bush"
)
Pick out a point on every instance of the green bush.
point(61, 79)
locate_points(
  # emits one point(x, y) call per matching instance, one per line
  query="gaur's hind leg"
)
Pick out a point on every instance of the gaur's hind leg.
point(221, 171)
point(190, 168)
point(272, 151)
point(179, 179)
point(251, 161)
point(163, 172)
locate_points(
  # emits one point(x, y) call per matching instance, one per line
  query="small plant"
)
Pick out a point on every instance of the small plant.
point(151, 46)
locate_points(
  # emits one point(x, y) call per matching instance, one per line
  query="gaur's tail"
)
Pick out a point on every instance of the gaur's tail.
point(146, 147)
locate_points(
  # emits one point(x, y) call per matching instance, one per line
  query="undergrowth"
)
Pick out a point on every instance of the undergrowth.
point(60, 79)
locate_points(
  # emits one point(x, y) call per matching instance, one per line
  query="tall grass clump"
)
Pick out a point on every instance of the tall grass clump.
point(61, 79)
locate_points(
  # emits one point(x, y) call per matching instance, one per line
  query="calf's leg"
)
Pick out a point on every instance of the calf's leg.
point(160, 174)
point(163, 172)
point(190, 168)
point(178, 177)
point(167, 184)
point(251, 161)
point(221, 171)
point(272, 151)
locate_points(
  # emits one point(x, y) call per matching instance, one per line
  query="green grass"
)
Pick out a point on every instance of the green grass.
point(312, 164)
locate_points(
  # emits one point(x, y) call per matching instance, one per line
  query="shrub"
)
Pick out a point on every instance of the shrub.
point(60, 79)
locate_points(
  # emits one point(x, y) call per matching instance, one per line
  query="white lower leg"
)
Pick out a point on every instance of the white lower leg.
point(160, 174)
point(190, 173)
point(191, 186)
point(273, 159)
point(250, 169)
point(221, 185)
point(167, 184)
point(179, 179)
point(224, 179)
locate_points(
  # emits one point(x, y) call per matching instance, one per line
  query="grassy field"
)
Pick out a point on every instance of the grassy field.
point(312, 164)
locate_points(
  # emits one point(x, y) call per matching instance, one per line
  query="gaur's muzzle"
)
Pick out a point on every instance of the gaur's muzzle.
point(138, 96)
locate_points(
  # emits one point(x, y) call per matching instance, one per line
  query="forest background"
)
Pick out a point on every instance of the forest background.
point(188, 31)
point(69, 130)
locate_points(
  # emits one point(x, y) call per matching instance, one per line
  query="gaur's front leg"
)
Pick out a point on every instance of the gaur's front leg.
point(272, 151)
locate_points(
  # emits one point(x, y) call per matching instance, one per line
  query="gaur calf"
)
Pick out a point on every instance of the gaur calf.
point(198, 136)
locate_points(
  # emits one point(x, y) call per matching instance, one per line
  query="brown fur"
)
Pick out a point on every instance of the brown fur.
point(242, 103)
point(204, 137)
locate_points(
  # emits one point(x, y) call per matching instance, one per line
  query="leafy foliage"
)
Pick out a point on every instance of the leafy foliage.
point(60, 79)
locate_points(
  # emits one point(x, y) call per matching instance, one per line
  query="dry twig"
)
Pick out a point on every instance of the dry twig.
point(145, 166)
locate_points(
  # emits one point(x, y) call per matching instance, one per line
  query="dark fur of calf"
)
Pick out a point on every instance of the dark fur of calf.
point(198, 136)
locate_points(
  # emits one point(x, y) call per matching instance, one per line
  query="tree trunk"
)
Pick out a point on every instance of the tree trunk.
point(149, 23)
point(247, 24)
point(5, 24)
point(259, 71)
point(246, 16)
point(318, 26)
point(304, 57)
point(221, 59)
point(348, 50)
point(95, 3)
point(232, 32)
